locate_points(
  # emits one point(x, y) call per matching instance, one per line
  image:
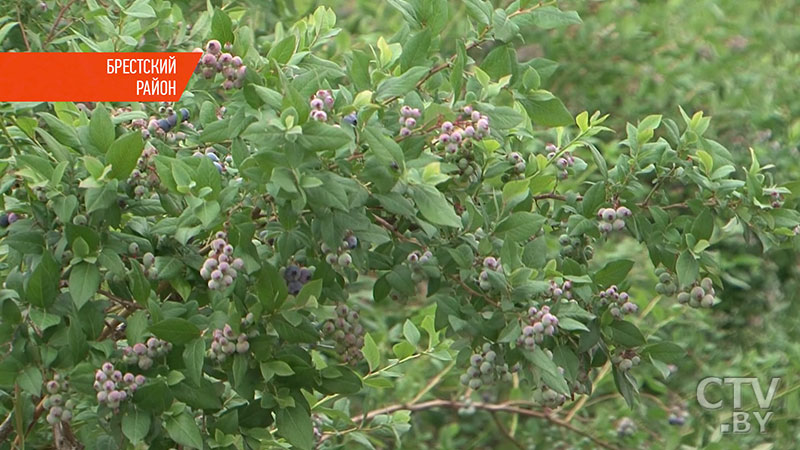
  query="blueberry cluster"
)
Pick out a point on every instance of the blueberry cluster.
point(220, 267)
point(571, 246)
point(619, 300)
point(666, 283)
point(143, 355)
point(611, 219)
point(144, 177)
point(7, 219)
point(468, 408)
point(57, 409)
point(408, 119)
point(470, 126)
point(540, 323)
point(700, 294)
point(677, 415)
point(341, 256)
point(519, 163)
point(321, 103)
point(558, 291)
point(490, 263)
point(776, 199)
point(164, 127)
point(149, 261)
point(549, 397)
point(625, 359)
point(626, 427)
point(486, 368)
point(225, 343)
point(296, 277)
point(347, 333)
point(214, 62)
point(113, 387)
point(211, 154)
point(564, 162)
point(416, 261)
point(317, 424)
point(159, 126)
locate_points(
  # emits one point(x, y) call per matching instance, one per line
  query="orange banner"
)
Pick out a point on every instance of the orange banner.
point(85, 77)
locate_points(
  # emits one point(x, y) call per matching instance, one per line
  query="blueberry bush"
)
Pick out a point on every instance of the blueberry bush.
point(382, 235)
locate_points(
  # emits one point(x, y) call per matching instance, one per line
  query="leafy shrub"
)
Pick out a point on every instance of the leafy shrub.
point(351, 229)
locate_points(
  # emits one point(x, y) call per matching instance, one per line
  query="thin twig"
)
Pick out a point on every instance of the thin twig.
point(505, 432)
point(127, 304)
point(22, 30)
point(473, 292)
point(52, 31)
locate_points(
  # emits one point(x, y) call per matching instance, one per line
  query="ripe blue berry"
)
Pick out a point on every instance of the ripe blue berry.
point(351, 119)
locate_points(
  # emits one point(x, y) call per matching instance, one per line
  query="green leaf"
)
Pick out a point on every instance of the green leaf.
point(283, 50)
point(272, 368)
point(626, 334)
point(401, 85)
point(547, 17)
point(139, 285)
point(479, 10)
point(667, 352)
point(547, 111)
point(84, 280)
point(30, 380)
point(140, 9)
point(703, 225)
point(178, 331)
point(520, 226)
point(101, 129)
point(593, 198)
point(42, 286)
point(571, 324)
point(183, 430)
point(687, 268)
point(124, 154)
point(613, 272)
point(294, 424)
point(410, 332)
point(26, 242)
point(318, 136)
point(221, 27)
point(415, 50)
point(193, 357)
point(434, 206)
point(549, 371)
point(371, 353)
point(135, 425)
point(385, 148)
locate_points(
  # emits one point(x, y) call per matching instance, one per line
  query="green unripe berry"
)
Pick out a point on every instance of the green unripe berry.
point(707, 301)
point(706, 284)
point(475, 383)
point(133, 248)
point(79, 219)
point(683, 297)
point(664, 277)
point(345, 259)
point(148, 259)
point(661, 289)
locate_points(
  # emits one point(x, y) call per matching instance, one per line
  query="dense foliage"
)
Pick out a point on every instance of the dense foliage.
point(378, 235)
